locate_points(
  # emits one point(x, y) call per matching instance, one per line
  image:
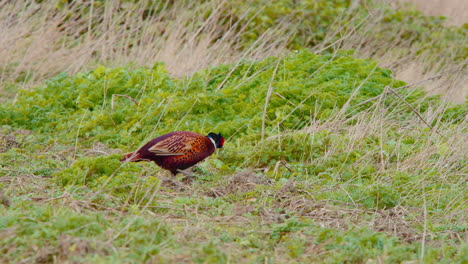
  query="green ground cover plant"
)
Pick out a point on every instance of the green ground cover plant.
point(327, 159)
point(330, 157)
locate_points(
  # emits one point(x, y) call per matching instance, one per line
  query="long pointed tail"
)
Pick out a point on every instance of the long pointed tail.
point(132, 157)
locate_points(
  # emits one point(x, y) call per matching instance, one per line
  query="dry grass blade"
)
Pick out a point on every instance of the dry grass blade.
point(416, 112)
point(267, 98)
point(122, 95)
point(39, 41)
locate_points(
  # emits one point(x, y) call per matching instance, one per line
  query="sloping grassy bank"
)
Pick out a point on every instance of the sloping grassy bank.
point(328, 158)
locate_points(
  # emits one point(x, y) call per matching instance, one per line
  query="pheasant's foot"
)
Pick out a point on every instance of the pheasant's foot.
point(189, 177)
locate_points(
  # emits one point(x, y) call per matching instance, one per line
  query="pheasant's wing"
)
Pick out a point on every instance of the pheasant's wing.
point(177, 144)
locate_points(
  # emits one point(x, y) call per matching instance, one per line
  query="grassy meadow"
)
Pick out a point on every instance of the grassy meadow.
point(345, 126)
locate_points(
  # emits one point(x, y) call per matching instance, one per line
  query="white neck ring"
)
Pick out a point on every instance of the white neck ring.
point(212, 141)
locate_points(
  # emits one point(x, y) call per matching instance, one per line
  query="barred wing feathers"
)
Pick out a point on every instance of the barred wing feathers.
point(175, 145)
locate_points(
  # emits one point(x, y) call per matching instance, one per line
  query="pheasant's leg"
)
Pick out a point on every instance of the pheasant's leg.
point(186, 173)
point(189, 177)
point(172, 182)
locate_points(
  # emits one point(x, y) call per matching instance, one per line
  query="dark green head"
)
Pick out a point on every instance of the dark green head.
point(217, 138)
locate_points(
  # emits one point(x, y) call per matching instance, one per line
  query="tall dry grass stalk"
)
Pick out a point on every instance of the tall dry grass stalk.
point(40, 40)
point(406, 60)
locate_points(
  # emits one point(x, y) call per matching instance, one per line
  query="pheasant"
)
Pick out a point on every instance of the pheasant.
point(177, 150)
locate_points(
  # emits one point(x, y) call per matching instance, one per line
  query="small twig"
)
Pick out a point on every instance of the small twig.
point(65, 195)
point(78, 134)
point(122, 95)
point(269, 92)
point(281, 162)
point(415, 111)
point(423, 239)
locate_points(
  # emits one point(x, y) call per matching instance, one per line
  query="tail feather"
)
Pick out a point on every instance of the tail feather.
point(131, 157)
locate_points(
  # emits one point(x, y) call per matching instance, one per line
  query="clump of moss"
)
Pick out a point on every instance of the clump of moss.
point(379, 196)
point(108, 174)
point(87, 171)
point(123, 107)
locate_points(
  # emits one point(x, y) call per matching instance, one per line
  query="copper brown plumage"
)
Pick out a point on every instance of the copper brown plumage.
point(177, 150)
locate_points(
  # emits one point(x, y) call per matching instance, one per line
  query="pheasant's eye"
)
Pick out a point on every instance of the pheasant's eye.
point(222, 141)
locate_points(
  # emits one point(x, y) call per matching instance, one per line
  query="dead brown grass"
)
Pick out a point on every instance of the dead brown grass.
point(240, 182)
point(398, 221)
point(400, 55)
point(38, 40)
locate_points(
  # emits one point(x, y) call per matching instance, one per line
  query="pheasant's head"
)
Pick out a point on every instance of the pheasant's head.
point(217, 138)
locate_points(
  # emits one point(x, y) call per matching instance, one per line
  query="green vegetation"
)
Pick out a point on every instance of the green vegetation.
point(328, 158)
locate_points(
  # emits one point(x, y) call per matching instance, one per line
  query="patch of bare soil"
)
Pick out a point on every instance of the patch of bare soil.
point(68, 248)
point(23, 184)
point(343, 216)
point(10, 140)
point(174, 184)
point(4, 199)
point(238, 183)
point(394, 222)
point(397, 221)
